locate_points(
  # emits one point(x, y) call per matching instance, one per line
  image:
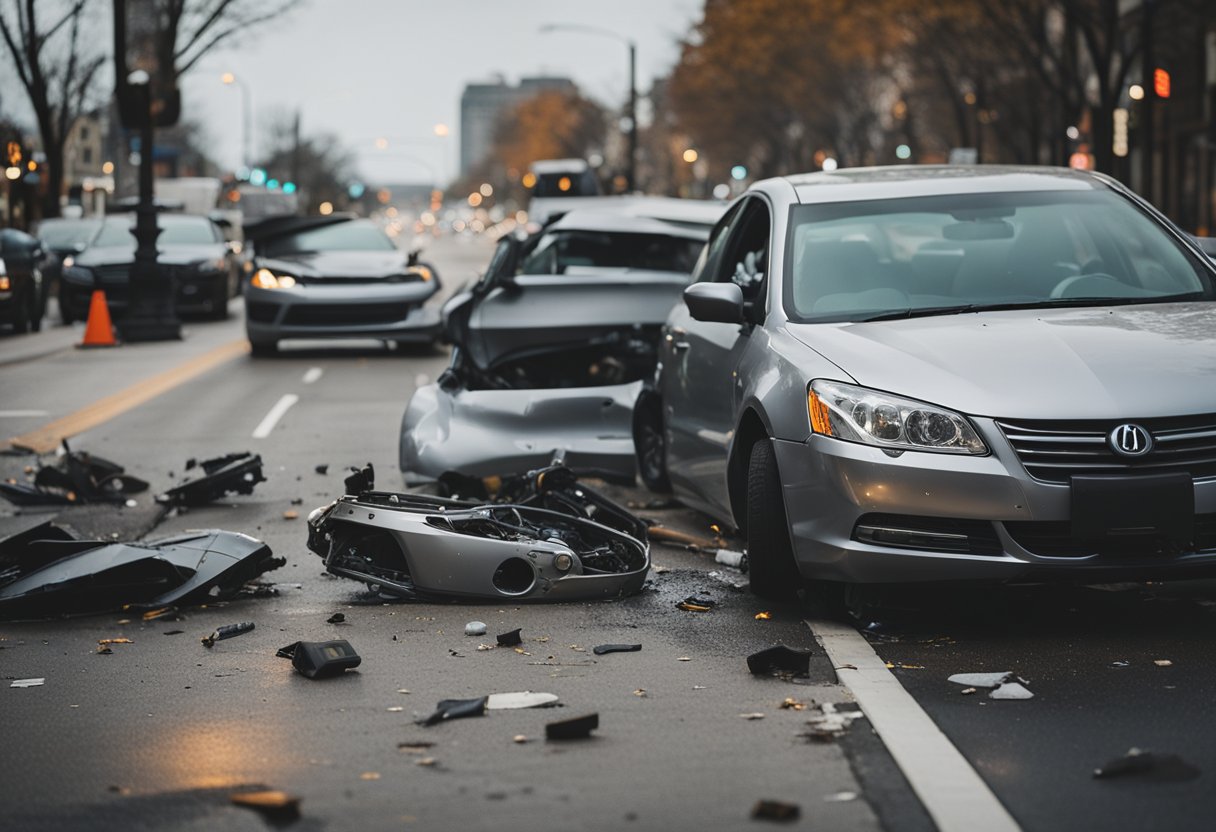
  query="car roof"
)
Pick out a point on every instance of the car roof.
point(853, 184)
point(623, 223)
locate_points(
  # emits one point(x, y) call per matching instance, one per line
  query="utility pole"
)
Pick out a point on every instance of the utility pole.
point(295, 150)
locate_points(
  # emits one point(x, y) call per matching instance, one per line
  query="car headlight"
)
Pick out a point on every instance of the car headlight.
point(857, 414)
point(421, 272)
point(69, 261)
point(266, 279)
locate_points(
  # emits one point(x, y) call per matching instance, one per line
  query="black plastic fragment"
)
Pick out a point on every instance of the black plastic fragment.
point(322, 469)
point(577, 728)
point(75, 478)
point(511, 639)
point(1149, 766)
point(228, 631)
point(449, 709)
point(776, 810)
point(236, 473)
point(616, 648)
point(321, 659)
point(336, 618)
point(780, 661)
point(360, 480)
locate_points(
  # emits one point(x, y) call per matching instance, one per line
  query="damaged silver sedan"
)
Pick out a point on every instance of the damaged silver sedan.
point(552, 348)
point(541, 537)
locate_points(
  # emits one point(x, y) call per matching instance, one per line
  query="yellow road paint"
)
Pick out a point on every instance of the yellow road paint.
point(48, 437)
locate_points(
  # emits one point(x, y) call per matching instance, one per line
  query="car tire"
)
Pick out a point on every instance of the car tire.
point(219, 301)
point(22, 313)
point(650, 444)
point(263, 349)
point(65, 309)
point(770, 552)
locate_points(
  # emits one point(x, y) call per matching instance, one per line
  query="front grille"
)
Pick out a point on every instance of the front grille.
point(1055, 451)
point(347, 314)
point(931, 534)
point(330, 280)
point(262, 313)
point(1053, 539)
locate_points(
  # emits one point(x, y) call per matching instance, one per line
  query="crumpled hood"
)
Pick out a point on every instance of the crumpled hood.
point(359, 264)
point(1111, 362)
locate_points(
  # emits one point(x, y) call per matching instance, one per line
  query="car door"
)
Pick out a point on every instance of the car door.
point(701, 387)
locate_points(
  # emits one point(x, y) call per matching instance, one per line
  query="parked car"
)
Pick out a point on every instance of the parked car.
point(335, 277)
point(931, 373)
point(552, 347)
point(192, 253)
point(63, 238)
point(22, 302)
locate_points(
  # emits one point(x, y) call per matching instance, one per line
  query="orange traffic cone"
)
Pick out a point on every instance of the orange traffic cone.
point(98, 332)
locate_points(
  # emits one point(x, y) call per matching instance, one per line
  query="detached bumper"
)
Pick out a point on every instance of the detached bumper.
point(392, 311)
point(484, 433)
point(856, 514)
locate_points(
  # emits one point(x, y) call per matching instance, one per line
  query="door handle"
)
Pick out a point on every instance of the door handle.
point(675, 337)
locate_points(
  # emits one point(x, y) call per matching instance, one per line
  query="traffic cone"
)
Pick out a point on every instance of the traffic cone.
point(98, 332)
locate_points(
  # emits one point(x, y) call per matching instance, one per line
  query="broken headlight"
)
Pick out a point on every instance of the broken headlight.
point(857, 414)
point(266, 279)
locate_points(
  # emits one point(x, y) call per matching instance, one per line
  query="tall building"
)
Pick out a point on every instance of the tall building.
point(482, 104)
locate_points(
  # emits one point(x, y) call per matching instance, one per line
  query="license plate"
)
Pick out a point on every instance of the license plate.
point(1155, 504)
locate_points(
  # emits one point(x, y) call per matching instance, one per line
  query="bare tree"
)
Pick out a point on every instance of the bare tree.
point(57, 65)
point(189, 29)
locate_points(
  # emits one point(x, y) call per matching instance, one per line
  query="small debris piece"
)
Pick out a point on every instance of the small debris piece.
point(577, 728)
point(172, 632)
point(776, 810)
point(522, 699)
point(370, 775)
point(426, 761)
point(298, 501)
point(449, 709)
point(519, 739)
point(840, 797)
point(1120, 663)
point(967, 691)
point(640, 693)
point(475, 628)
point(1011, 690)
point(509, 639)
point(395, 709)
point(615, 648)
point(684, 659)
point(696, 603)
point(152, 615)
point(291, 515)
point(845, 667)
point(751, 716)
point(832, 722)
point(414, 746)
point(28, 683)
point(322, 469)
point(660, 570)
point(1162, 662)
point(360, 480)
point(792, 704)
point(321, 659)
point(114, 641)
point(336, 618)
point(104, 649)
point(276, 806)
point(904, 666)
point(227, 631)
point(981, 680)
point(764, 616)
point(1149, 765)
point(191, 464)
point(780, 661)
point(665, 535)
point(403, 690)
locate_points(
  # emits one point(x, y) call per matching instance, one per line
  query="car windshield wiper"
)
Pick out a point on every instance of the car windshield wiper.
point(1052, 303)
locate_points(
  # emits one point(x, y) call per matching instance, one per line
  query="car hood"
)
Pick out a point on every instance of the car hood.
point(172, 255)
point(1110, 362)
point(355, 264)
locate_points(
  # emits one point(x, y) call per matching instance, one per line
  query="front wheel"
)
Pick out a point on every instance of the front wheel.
point(263, 349)
point(770, 553)
point(650, 444)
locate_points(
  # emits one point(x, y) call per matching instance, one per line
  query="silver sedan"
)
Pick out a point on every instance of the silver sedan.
point(936, 373)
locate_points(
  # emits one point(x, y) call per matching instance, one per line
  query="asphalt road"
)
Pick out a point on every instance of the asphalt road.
point(159, 733)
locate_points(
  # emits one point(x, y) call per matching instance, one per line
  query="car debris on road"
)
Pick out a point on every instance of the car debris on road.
point(235, 473)
point(321, 659)
point(1004, 684)
point(75, 477)
point(227, 631)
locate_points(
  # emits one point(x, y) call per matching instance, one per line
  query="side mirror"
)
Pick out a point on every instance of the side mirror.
point(1208, 244)
point(715, 302)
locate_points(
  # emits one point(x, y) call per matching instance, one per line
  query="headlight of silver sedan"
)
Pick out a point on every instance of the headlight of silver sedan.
point(858, 414)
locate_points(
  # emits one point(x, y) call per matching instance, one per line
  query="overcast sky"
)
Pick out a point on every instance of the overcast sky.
point(365, 69)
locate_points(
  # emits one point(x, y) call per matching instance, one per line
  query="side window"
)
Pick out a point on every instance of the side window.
point(746, 255)
point(705, 267)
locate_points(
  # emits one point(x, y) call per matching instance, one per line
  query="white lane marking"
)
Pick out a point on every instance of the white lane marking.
point(953, 793)
point(312, 375)
point(276, 413)
point(422, 380)
point(21, 414)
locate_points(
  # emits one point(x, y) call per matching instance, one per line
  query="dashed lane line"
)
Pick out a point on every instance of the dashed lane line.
point(276, 413)
point(952, 792)
point(48, 437)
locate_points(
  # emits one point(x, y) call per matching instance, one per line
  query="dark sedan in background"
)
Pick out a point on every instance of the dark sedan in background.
point(334, 277)
point(192, 253)
point(21, 297)
point(63, 238)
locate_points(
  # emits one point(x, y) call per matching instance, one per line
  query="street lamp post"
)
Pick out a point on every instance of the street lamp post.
point(246, 116)
point(631, 163)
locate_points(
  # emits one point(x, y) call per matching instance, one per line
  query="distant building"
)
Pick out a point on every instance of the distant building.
point(482, 104)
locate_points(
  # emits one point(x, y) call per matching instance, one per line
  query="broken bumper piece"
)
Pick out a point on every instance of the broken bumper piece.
point(232, 474)
point(551, 539)
point(44, 571)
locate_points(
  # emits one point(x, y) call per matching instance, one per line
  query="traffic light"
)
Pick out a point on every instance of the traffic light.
point(1161, 83)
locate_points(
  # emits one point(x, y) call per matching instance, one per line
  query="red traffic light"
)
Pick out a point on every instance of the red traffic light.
point(1161, 83)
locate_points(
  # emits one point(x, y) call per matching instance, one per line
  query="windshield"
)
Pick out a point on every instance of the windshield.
point(926, 255)
point(174, 231)
point(67, 233)
point(345, 236)
point(585, 252)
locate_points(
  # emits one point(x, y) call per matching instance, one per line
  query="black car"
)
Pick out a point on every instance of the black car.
point(192, 254)
point(63, 238)
point(21, 298)
point(335, 277)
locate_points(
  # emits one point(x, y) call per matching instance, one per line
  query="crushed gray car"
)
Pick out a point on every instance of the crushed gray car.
point(545, 538)
point(552, 348)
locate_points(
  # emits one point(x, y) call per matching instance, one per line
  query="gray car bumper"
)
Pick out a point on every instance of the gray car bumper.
point(837, 493)
point(392, 311)
point(483, 433)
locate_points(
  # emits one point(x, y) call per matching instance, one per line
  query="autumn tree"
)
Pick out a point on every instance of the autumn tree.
point(57, 62)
